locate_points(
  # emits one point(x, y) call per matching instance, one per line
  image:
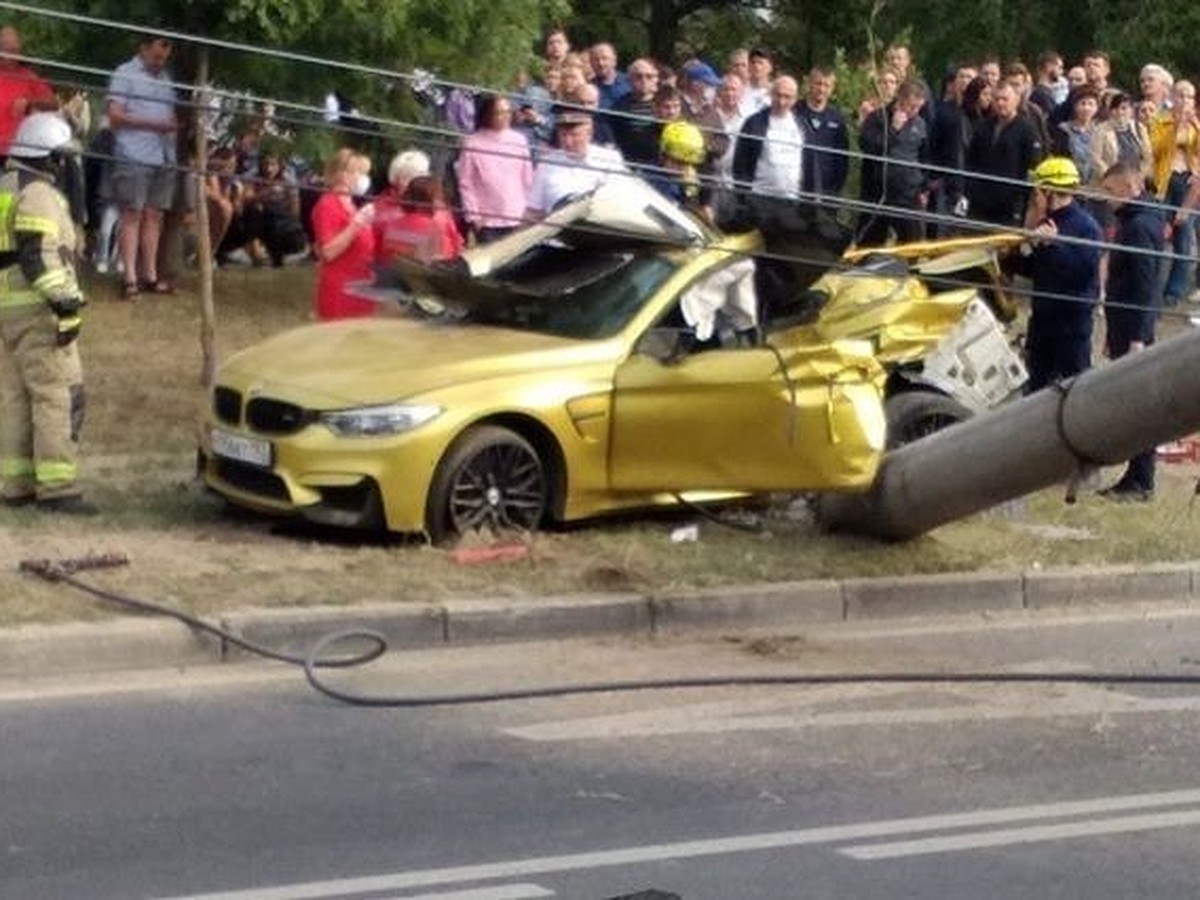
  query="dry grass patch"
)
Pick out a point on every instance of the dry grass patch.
point(185, 547)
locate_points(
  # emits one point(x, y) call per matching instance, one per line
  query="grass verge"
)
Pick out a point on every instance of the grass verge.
point(142, 362)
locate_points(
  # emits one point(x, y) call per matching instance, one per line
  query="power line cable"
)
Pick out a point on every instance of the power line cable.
point(447, 137)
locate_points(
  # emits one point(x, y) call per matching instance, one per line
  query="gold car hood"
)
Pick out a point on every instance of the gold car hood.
point(369, 361)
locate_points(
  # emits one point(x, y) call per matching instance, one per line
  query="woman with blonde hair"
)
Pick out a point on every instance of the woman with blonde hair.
point(1121, 138)
point(1175, 145)
point(345, 242)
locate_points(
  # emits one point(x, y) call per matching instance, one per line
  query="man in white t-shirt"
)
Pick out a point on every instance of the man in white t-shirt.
point(576, 167)
point(759, 81)
point(768, 170)
point(767, 159)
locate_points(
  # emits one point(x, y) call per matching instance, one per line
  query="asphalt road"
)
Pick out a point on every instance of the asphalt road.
point(242, 783)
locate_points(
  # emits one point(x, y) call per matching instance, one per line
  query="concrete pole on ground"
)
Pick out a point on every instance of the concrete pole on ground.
point(1103, 417)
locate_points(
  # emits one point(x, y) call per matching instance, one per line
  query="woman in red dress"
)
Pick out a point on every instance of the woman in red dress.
point(345, 241)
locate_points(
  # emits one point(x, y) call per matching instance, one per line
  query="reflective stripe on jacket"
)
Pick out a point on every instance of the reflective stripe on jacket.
point(37, 208)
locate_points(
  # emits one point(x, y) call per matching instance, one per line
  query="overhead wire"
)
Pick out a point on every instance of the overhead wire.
point(447, 139)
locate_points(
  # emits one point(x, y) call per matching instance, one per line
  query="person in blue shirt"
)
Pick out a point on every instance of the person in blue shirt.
point(826, 162)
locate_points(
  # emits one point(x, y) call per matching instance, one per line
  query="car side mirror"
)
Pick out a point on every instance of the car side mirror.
point(663, 344)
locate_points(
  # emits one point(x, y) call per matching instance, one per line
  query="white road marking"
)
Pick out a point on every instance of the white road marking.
point(504, 892)
point(1031, 835)
point(542, 865)
point(983, 703)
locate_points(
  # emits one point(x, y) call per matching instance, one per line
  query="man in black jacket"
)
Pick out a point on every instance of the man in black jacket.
point(895, 140)
point(1131, 298)
point(826, 136)
point(633, 121)
point(768, 160)
point(1006, 148)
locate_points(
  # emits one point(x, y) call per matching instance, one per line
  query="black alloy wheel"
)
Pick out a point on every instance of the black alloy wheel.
point(491, 479)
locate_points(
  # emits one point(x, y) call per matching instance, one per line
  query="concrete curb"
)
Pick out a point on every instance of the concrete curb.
point(137, 643)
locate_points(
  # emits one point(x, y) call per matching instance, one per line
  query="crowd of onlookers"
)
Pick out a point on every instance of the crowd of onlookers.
point(927, 158)
point(741, 145)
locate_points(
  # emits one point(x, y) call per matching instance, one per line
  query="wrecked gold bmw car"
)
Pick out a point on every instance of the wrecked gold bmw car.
point(616, 355)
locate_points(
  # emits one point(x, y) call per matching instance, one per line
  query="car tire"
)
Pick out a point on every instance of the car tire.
point(913, 415)
point(490, 479)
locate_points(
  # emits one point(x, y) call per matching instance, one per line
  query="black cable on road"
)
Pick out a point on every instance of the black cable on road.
point(63, 572)
point(316, 658)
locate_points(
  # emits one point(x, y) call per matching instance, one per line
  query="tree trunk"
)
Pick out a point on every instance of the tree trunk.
point(663, 30)
point(204, 253)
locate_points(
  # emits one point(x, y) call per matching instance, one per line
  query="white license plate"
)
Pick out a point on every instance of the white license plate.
point(253, 451)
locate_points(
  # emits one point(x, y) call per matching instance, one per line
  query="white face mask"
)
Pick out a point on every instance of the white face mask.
point(362, 184)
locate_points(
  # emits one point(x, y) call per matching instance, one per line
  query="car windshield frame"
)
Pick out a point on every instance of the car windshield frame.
point(557, 290)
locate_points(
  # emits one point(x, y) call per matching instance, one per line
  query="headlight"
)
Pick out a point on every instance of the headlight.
point(376, 421)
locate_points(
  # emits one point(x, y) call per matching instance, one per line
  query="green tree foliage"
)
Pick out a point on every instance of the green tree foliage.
point(467, 40)
point(665, 29)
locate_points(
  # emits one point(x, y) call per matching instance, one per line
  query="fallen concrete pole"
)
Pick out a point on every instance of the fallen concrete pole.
point(1103, 417)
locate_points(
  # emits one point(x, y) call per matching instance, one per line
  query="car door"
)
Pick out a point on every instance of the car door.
point(716, 419)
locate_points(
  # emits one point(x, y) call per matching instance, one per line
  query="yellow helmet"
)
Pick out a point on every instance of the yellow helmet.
point(683, 142)
point(1056, 173)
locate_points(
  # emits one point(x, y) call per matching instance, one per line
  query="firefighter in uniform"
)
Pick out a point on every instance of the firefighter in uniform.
point(683, 152)
point(41, 389)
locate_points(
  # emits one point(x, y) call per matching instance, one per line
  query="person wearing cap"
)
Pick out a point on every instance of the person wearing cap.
point(575, 167)
point(699, 82)
point(826, 135)
point(699, 90)
point(41, 389)
point(1065, 275)
point(759, 80)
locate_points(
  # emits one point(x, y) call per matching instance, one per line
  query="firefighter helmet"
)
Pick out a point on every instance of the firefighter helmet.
point(683, 142)
point(40, 134)
point(1056, 172)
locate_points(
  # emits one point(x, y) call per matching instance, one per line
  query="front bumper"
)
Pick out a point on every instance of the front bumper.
point(353, 483)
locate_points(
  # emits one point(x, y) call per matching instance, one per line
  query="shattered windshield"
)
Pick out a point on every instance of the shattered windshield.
point(565, 292)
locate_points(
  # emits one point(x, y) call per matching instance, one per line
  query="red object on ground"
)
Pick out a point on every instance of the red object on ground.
point(1183, 450)
point(467, 556)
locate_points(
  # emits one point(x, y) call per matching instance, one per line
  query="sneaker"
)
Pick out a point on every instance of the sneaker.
point(71, 505)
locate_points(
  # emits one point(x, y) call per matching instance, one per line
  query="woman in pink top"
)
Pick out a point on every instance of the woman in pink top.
point(345, 242)
point(495, 172)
